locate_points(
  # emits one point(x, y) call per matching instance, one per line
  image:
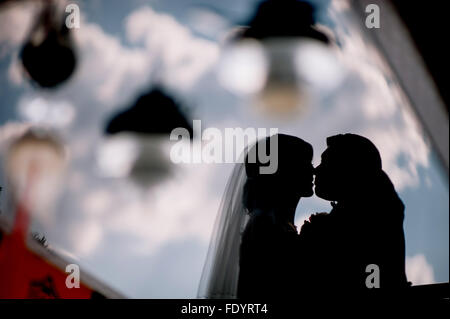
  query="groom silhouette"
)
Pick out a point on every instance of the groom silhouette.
point(360, 244)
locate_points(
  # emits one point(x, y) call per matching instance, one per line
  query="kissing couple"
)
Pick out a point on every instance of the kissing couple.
point(256, 250)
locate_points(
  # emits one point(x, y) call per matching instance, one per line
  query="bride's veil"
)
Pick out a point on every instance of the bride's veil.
point(221, 270)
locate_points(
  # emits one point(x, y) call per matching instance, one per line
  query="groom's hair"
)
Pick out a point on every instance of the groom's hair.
point(356, 151)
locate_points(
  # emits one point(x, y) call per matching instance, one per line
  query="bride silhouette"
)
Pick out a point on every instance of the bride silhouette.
point(252, 250)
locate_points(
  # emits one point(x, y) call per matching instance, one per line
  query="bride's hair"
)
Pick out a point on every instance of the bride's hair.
point(242, 194)
point(260, 189)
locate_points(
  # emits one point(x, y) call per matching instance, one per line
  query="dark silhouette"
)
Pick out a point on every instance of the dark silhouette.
point(286, 18)
point(49, 55)
point(154, 112)
point(267, 264)
point(364, 227)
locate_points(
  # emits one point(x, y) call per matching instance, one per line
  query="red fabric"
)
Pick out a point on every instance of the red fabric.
point(23, 274)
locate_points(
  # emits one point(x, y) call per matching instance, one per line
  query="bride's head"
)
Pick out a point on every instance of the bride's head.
point(292, 179)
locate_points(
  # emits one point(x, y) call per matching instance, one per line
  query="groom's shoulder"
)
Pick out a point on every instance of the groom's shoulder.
point(321, 219)
point(317, 222)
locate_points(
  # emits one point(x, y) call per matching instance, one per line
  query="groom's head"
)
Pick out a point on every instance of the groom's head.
point(348, 166)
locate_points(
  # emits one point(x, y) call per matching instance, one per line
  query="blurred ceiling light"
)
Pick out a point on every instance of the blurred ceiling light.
point(280, 57)
point(153, 113)
point(243, 69)
point(317, 66)
point(41, 111)
point(49, 55)
point(140, 145)
point(117, 155)
point(35, 163)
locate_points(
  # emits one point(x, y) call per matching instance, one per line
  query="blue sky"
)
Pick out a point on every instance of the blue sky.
point(151, 242)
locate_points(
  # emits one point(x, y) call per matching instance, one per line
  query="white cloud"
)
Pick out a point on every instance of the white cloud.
point(152, 222)
point(107, 69)
point(85, 235)
point(15, 22)
point(143, 216)
point(183, 57)
point(97, 202)
point(418, 270)
point(405, 145)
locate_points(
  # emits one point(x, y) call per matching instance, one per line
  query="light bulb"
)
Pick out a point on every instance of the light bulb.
point(317, 65)
point(35, 164)
point(243, 67)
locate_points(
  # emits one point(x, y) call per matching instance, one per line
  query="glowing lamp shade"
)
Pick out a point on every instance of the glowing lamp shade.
point(143, 158)
point(138, 143)
point(317, 65)
point(244, 67)
point(34, 164)
point(280, 58)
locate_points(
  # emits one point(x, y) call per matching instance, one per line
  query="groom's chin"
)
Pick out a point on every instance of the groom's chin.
point(321, 194)
point(308, 193)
